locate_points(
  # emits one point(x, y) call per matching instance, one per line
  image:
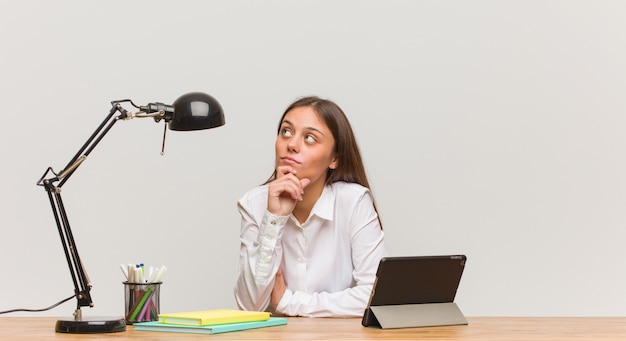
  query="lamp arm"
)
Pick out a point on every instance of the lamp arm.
point(92, 142)
point(82, 283)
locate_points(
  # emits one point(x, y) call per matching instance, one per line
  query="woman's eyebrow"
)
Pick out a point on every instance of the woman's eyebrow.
point(316, 130)
point(307, 128)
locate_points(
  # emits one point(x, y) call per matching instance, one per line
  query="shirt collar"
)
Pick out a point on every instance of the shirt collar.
point(325, 205)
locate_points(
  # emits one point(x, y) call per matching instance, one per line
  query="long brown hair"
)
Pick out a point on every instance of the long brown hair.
point(350, 166)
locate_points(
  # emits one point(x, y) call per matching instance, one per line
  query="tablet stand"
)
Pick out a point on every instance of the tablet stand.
point(415, 315)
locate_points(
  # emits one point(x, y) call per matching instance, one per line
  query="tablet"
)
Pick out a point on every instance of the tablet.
point(414, 280)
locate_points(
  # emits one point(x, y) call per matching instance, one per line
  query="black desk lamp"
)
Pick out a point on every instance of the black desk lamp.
point(191, 111)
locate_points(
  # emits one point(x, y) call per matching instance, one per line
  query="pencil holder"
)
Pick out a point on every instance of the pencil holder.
point(141, 301)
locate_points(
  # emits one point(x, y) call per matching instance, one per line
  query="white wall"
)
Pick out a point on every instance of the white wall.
point(490, 128)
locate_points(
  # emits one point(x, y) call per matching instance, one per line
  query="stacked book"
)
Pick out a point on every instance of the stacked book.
point(211, 321)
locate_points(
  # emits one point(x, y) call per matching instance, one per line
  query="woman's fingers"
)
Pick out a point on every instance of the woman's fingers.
point(285, 191)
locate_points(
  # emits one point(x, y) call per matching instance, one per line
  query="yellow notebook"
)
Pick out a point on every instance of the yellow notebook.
point(211, 317)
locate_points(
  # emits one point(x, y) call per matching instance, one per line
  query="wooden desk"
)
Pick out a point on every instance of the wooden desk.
point(479, 328)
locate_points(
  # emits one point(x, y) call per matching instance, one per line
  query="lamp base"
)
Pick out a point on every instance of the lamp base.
point(93, 325)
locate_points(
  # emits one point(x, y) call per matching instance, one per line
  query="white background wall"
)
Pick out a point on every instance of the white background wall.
point(489, 128)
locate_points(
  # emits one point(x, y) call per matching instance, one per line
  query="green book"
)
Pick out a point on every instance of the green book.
point(156, 326)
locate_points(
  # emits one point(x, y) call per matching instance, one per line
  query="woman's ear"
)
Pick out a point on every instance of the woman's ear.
point(333, 163)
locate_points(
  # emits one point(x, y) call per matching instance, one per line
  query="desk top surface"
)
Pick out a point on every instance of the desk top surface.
point(479, 328)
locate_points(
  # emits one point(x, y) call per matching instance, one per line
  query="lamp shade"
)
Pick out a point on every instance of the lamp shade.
point(195, 111)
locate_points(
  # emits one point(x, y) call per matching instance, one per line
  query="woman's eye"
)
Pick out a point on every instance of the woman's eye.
point(310, 138)
point(286, 132)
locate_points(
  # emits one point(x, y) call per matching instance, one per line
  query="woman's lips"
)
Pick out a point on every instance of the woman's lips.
point(289, 160)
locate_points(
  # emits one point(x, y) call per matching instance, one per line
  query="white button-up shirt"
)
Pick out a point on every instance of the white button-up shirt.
point(329, 263)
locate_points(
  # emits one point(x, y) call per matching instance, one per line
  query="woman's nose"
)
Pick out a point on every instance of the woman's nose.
point(292, 145)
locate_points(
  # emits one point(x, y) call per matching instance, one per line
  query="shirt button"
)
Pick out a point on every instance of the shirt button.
point(301, 260)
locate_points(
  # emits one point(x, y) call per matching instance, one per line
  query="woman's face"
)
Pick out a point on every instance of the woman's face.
point(306, 144)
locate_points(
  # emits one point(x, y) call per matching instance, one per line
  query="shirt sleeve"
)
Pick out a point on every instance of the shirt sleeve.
point(367, 248)
point(259, 257)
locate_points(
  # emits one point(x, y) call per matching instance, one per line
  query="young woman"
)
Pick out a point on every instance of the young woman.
point(311, 238)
